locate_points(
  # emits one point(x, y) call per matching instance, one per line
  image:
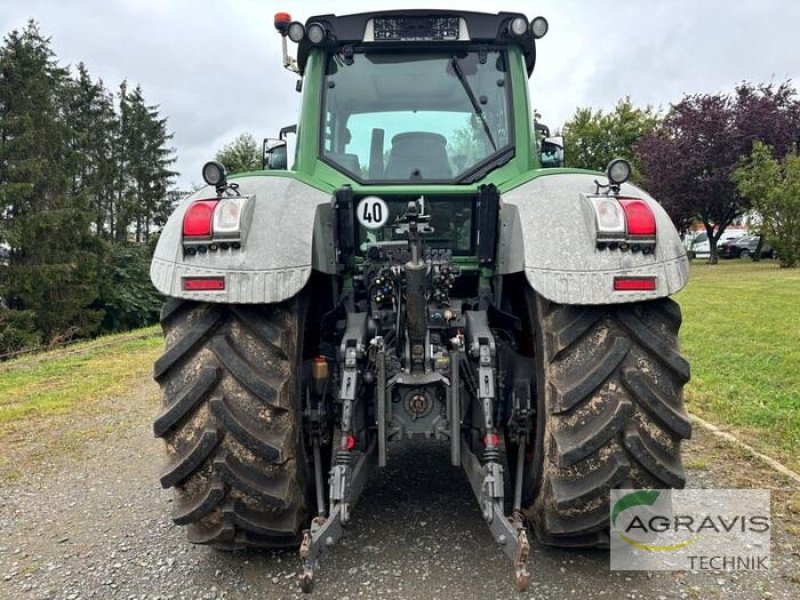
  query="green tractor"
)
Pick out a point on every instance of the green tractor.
point(425, 269)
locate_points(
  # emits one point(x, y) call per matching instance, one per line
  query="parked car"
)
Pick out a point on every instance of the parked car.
point(702, 248)
point(697, 243)
point(747, 245)
point(728, 249)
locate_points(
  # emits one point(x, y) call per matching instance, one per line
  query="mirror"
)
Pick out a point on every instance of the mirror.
point(275, 155)
point(287, 130)
point(552, 152)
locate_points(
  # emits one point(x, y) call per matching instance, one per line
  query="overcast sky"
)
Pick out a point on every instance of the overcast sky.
point(214, 66)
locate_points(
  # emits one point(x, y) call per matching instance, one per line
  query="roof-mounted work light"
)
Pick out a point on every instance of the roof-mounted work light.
point(539, 27)
point(316, 33)
point(518, 26)
point(296, 32)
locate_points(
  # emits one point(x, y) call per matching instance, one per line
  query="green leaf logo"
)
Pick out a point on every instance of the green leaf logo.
point(638, 498)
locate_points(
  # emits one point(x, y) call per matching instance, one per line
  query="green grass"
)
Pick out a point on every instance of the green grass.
point(54, 383)
point(741, 334)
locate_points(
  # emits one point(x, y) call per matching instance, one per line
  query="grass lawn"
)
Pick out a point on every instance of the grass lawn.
point(741, 334)
point(55, 382)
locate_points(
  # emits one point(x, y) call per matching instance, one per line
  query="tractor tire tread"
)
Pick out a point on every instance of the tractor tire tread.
point(230, 420)
point(613, 413)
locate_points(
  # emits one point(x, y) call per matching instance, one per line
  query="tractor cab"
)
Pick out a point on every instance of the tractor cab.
point(414, 97)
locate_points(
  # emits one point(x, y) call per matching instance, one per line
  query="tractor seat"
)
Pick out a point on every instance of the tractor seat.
point(348, 161)
point(418, 150)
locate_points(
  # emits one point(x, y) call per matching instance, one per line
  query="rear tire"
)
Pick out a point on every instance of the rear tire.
point(610, 412)
point(231, 420)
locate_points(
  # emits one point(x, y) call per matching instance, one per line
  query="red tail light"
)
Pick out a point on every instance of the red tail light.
point(203, 284)
point(634, 284)
point(197, 219)
point(641, 220)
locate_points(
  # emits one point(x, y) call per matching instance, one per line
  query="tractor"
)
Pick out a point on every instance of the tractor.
point(425, 269)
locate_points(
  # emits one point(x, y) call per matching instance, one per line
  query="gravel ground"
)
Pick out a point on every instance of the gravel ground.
point(92, 522)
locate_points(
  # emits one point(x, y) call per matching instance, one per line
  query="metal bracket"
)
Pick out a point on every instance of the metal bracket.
point(454, 409)
point(380, 399)
point(487, 478)
point(349, 376)
point(325, 532)
point(509, 532)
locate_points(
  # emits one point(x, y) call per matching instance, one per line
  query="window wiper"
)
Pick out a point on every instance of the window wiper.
point(473, 100)
point(481, 169)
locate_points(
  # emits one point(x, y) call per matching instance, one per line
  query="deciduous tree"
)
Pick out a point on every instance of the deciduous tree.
point(594, 138)
point(689, 159)
point(773, 187)
point(241, 155)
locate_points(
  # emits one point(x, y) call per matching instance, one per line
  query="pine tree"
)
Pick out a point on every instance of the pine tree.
point(152, 174)
point(93, 123)
point(52, 263)
point(144, 173)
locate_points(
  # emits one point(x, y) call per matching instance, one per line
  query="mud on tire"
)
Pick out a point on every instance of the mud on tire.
point(230, 419)
point(611, 412)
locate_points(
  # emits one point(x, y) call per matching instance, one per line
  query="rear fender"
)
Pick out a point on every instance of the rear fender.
point(547, 230)
point(290, 234)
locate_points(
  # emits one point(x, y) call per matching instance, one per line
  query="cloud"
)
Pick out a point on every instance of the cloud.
point(214, 67)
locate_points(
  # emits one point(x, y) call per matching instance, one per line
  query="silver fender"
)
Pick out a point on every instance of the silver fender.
point(547, 230)
point(290, 233)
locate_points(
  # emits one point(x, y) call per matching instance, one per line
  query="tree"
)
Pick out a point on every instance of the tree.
point(148, 160)
point(143, 174)
point(689, 159)
point(595, 138)
point(52, 264)
point(774, 188)
point(89, 110)
point(127, 297)
point(241, 155)
point(79, 182)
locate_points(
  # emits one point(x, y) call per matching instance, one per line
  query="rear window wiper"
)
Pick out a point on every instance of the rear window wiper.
point(477, 172)
point(473, 100)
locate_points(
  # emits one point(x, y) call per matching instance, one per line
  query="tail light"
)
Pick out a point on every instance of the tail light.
point(216, 224)
point(624, 223)
point(641, 220)
point(204, 284)
point(634, 284)
point(227, 221)
point(610, 218)
point(197, 219)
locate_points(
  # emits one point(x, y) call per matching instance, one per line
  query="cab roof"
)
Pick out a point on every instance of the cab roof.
point(415, 27)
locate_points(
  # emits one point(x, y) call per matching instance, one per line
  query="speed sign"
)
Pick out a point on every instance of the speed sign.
point(372, 212)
